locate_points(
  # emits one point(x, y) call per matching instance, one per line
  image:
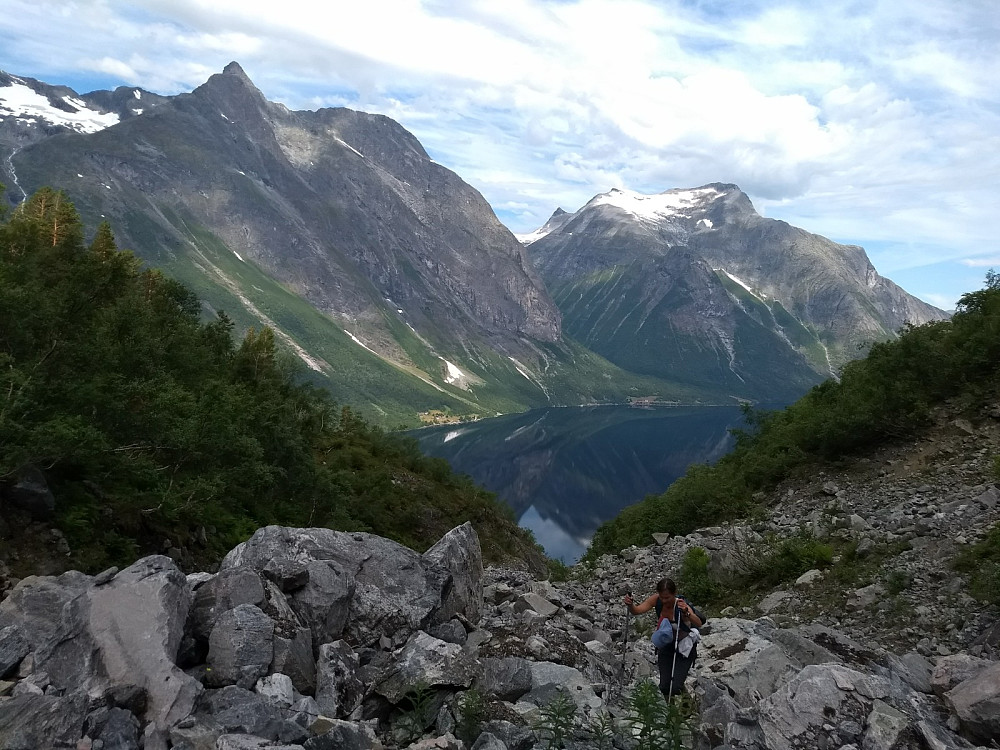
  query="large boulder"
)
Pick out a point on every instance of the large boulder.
point(950, 671)
point(38, 605)
point(549, 680)
point(743, 656)
point(115, 631)
point(426, 661)
point(338, 688)
point(976, 703)
point(460, 554)
point(13, 647)
point(137, 622)
point(240, 648)
point(360, 586)
point(831, 701)
point(508, 678)
point(221, 593)
point(30, 722)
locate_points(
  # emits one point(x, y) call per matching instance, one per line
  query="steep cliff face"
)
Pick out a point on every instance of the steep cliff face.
point(344, 209)
point(695, 285)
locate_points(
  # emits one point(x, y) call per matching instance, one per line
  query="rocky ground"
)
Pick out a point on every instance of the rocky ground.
point(311, 639)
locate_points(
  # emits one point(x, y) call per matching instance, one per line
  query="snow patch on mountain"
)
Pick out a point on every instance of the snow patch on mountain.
point(23, 103)
point(670, 204)
point(454, 375)
point(527, 239)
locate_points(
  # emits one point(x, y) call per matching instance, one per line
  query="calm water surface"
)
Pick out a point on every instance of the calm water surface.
point(565, 471)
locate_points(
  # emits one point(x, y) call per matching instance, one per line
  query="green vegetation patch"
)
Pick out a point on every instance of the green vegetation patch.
point(148, 423)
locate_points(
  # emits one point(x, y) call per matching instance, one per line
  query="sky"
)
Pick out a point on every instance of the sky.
point(874, 123)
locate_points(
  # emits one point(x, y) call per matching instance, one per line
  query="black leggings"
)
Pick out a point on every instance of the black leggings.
point(665, 661)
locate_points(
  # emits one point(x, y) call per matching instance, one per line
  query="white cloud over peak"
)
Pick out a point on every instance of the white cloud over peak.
point(875, 123)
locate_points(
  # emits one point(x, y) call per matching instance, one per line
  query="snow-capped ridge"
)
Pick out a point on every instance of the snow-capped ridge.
point(20, 101)
point(680, 202)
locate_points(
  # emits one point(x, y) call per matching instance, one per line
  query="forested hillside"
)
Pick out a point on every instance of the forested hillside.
point(131, 425)
point(891, 394)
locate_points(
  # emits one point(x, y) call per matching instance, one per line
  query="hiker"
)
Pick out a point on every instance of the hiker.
point(678, 647)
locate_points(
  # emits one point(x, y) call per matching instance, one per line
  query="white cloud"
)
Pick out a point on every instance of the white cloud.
point(875, 122)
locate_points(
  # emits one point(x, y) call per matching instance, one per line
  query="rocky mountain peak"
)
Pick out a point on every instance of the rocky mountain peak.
point(235, 69)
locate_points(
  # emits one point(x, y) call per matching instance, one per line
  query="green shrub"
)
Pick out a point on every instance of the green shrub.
point(778, 561)
point(558, 570)
point(695, 581)
point(981, 563)
point(656, 724)
point(471, 715)
point(556, 721)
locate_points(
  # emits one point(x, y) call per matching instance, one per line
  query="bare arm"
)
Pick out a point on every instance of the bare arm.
point(644, 606)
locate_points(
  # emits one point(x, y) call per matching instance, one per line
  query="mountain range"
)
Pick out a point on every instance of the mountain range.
point(396, 286)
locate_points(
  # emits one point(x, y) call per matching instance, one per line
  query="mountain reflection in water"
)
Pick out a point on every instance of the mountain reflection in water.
point(565, 471)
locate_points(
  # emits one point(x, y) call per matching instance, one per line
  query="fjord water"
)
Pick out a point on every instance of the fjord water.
point(564, 471)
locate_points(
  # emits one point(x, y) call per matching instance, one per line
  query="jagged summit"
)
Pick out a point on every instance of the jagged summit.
point(235, 69)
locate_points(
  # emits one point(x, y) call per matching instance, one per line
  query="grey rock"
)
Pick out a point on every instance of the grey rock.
point(913, 669)
point(936, 737)
point(277, 688)
point(451, 632)
point(294, 657)
point(39, 606)
point(507, 678)
point(425, 660)
point(31, 722)
point(949, 671)
point(866, 597)
point(250, 742)
point(459, 553)
point(288, 575)
point(548, 680)
point(345, 735)
point(13, 648)
point(775, 600)
point(535, 603)
point(239, 711)
point(229, 589)
point(241, 647)
point(389, 589)
point(742, 655)
point(886, 727)
point(818, 695)
point(338, 688)
point(135, 624)
point(976, 703)
point(487, 741)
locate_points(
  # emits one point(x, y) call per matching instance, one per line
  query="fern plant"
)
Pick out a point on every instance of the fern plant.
point(556, 721)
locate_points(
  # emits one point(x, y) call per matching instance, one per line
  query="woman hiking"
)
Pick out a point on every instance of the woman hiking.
point(678, 649)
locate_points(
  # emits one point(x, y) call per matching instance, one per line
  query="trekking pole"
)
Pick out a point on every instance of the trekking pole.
point(628, 624)
point(673, 666)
